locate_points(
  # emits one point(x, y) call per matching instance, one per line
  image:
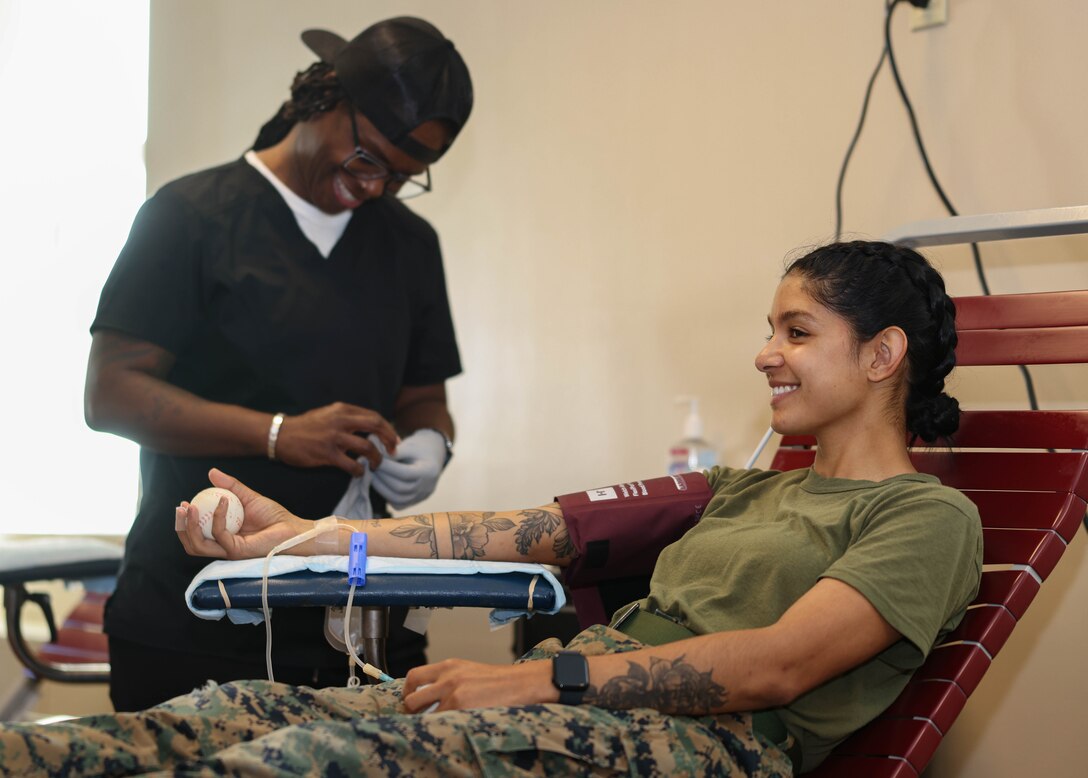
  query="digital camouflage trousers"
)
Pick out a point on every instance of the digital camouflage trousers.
point(258, 728)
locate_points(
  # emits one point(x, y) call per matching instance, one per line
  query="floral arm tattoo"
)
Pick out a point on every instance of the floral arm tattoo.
point(470, 533)
point(537, 522)
point(422, 529)
point(668, 685)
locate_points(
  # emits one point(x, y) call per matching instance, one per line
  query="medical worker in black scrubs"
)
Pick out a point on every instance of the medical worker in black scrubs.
point(267, 316)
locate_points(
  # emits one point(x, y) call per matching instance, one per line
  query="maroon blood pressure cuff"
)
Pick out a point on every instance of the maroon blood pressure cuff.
point(619, 530)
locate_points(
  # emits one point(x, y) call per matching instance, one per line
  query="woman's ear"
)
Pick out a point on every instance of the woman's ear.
point(885, 353)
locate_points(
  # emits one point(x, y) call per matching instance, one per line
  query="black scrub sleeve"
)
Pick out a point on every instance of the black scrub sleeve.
point(154, 291)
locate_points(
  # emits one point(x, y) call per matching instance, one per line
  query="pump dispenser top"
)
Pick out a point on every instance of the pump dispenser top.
point(692, 452)
point(693, 424)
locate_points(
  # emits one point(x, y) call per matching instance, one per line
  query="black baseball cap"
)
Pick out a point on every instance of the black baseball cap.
point(400, 73)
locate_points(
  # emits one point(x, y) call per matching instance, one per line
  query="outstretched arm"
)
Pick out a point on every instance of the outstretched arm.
point(830, 630)
point(526, 535)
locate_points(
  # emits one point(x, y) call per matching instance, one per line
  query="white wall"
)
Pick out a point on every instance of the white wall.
point(70, 180)
point(615, 215)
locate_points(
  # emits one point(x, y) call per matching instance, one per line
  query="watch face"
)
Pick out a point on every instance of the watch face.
point(570, 671)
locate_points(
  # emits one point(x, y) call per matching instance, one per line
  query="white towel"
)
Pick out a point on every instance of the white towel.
point(254, 568)
point(355, 504)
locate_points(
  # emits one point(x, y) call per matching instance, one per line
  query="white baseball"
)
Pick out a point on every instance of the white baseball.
point(208, 500)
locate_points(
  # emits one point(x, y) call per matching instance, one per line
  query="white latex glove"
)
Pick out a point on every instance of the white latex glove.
point(412, 474)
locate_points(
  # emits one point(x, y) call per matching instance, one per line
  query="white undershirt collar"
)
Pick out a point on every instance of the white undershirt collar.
point(322, 229)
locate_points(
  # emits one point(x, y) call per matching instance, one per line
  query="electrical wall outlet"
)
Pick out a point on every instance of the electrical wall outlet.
point(933, 15)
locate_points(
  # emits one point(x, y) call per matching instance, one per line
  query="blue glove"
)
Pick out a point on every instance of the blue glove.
point(411, 476)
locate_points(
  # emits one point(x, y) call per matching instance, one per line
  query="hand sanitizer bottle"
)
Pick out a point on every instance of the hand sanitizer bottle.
point(692, 452)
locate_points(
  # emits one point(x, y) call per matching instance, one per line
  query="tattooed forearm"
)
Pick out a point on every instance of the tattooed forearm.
point(669, 685)
point(422, 529)
point(530, 535)
point(470, 532)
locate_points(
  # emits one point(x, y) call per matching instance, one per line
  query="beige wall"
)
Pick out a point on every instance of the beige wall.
point(615, 215)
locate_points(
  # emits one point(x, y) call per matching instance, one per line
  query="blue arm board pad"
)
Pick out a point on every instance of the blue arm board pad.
point(502, 590)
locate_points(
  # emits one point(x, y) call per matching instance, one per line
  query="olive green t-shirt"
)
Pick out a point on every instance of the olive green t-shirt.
point(911, 546)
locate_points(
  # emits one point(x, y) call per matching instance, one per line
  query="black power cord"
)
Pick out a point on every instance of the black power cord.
point(889, 53)
point(854, 142)
point(918, 136)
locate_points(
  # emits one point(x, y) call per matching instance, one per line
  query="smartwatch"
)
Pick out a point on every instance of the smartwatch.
point(570, 675)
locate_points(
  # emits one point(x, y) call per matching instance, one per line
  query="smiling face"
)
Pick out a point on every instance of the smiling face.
point(814, 366)
point(315, 170)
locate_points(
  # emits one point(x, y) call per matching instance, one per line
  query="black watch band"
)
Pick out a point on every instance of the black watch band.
point(571, 698)
point(570, 675)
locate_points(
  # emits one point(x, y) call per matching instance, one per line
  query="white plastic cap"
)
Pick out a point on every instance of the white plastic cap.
point(693, 424)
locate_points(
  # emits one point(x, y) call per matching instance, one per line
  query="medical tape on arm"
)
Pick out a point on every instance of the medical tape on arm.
point(329, 542)
point(618, 531)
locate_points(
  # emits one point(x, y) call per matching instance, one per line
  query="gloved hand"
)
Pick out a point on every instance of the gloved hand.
point(412, 475)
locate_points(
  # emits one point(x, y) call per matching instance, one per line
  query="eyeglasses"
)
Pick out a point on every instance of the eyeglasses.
point(366, 168)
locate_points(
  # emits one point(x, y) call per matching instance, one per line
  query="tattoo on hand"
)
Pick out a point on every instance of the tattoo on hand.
point(422, 530)
point(537, 523)
point(669, 685)
point(470, 533)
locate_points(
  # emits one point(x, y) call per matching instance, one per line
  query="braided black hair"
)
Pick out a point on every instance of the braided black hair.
point(874, 285)
point(313, 91)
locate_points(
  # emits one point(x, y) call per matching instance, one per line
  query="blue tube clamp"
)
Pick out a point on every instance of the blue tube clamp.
point(357, 559)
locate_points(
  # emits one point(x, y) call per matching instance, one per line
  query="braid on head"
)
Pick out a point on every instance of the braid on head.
point(931, 414)
point(314, 91)
point(875, 285)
